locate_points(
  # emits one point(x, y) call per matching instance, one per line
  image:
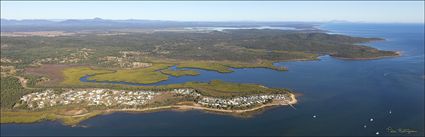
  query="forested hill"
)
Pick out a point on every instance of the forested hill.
point(246, 45)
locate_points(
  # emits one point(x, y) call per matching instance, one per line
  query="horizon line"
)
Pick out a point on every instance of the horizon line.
point(294, 21)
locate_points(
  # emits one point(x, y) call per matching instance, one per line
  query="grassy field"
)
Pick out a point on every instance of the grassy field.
point(72, 75)
point(22, 117)
point(142, 75)
point(178, 73)
point(206, 65)
point(260, 64)
point(226, 66)
point(32, 116)
point(159, 71)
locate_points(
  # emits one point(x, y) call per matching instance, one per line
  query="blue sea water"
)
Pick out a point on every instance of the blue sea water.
point(344, 95)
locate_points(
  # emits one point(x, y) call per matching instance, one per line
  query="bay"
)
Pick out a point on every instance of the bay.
point(343, 95)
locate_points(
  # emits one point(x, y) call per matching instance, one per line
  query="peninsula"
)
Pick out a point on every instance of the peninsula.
point(70, 73)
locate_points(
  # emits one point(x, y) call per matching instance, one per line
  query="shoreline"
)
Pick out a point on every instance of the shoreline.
point(398, 54)
point(78, 118)
point(199, 107)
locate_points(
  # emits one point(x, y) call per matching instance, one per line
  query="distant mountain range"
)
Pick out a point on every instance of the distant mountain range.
point(98, 23)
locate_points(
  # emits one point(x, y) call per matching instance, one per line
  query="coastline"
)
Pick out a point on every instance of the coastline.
point(199, 107)
point(398, 54)
point(74, 120)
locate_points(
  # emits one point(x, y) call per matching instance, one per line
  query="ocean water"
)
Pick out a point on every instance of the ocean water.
point(344, 95)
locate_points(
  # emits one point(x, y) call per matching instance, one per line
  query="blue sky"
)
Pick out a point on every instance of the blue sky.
point(356, 11)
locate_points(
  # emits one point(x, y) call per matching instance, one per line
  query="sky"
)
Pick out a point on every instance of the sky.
point(319, 11)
